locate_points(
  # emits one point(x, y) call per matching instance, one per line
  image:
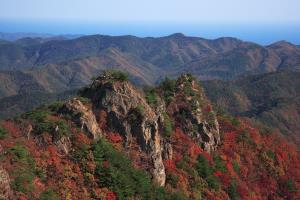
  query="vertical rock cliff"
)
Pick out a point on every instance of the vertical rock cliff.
point(130, 114)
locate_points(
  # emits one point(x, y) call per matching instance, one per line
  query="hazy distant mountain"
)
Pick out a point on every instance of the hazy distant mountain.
point(75, 61)
point(43, 65)
point(272, 99)
point(17, 36)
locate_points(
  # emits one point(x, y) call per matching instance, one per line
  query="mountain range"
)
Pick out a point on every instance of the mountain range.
point(38, 70)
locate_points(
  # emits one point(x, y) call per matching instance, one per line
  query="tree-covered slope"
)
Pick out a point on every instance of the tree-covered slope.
point(116, 141)
point(271, 99)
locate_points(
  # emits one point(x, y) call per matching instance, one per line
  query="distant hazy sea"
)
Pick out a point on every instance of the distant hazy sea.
point(259, 33)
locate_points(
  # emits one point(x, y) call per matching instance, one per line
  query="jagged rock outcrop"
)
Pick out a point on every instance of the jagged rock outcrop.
point(5, 190)
point(83, 116)
point(130, 114)
point(193, 111)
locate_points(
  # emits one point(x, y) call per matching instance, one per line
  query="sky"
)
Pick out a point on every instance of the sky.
point(259, 20)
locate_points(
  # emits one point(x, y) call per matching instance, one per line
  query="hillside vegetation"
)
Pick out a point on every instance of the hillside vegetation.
point(270, 99)
point(115, 141)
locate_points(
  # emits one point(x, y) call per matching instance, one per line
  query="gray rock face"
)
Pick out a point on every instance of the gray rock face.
point(130, 114)
point(5, 190)
point(207, 128)
point(84, 116)
point(167, 151)
point(64, 145)
point(188, 105)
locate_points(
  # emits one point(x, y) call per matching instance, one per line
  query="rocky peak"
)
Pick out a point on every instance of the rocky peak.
point(130, 114)
point(193, 112)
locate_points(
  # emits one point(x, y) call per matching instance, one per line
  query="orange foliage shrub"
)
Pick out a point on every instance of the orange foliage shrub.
point(114, 137)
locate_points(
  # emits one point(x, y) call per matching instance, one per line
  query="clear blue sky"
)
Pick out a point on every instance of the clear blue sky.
point(180, 15)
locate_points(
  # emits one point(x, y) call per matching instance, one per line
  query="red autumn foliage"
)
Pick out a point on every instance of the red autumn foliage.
point(170, 165)
point(11, 128)
point(111, 196)
point(82, 138)
point(194, 151)
point(114, 137)
point(208, 108)
point(261, 161)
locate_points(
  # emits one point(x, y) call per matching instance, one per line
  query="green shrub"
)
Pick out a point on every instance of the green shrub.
point(271, 154)
point(290, 185)
point(41, 174)
point(63, 129)
point(206, 172)
point(188, 91)
point(81, 153)
point(232, 190)
point(151, 96)
point(49, 194)
point(168, 125)
point(219, 165)
point(42, 124)
point(168, 88)
point(236, 167)
point(3, 133)
point(23, 180)
point(213, 182)
point(203, 167)
point(172, 179)
point(245, 137)
point(21, 155)
point(56, 106)
point(140, 109)
point(37, 115)
point(84, 100)
point(160, 193)
point(114, 171)
point(190, 78)
point(235, 121)
point(168, 85)
point(117, 75)
point(23, 176)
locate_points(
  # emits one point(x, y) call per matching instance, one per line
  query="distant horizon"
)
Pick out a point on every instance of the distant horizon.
point(263, 34)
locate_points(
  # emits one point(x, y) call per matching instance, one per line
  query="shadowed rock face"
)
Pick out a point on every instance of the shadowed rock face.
point(193, 112)
point(131, 115)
